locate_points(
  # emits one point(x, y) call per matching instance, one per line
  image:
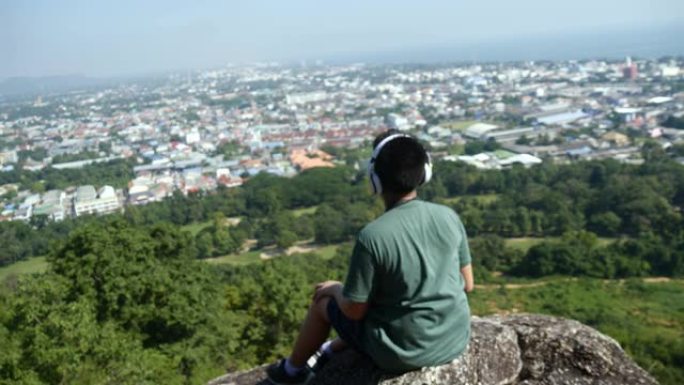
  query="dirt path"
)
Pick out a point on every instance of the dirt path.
point(656, 279)
point(302, 247)
point(514, 286)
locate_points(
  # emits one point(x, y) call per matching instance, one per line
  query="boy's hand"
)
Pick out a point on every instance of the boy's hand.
point(327, 289)
point(467, 272)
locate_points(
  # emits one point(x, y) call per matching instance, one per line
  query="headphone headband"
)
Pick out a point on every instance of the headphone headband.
point(376, 184)
point(378, 148)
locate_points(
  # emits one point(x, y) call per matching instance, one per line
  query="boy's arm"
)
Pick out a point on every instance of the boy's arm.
point(353, 310)
point(464, 258)
point(467, 272)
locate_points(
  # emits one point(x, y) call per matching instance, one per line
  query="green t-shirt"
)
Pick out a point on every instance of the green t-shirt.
point(406, 265)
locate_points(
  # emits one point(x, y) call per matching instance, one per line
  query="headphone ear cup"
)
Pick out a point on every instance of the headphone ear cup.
point(428, 172)
point(371, 177)
point(375, 182)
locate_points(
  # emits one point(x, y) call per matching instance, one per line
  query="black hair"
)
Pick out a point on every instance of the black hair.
point(400, 165)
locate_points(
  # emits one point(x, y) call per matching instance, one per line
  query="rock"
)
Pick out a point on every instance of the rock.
point(523, 349)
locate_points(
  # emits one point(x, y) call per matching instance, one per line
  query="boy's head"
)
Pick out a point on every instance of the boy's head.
point(400, 165)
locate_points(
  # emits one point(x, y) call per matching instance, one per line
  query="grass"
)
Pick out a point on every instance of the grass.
point(525, 243)
point(32, 265)
point(485, 199)
point(252, 256)
point(303, 211)
point(38, 264)
point(458, 125)
point(196, 227)
point(503, 154)
point(326, 252)
point(237, 259)
point(456, 149)
point(603, 241)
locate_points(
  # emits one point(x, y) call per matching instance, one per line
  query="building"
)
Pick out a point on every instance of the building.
point(513, 134)
point(51, 205)
point(669, 71)
point(139, 194)
point(627, 114)
point(497, 160)
point(306, 97)
point(479, 130)
point(398, 122)
point(630, 71)
point(193, 137)
point(562, 118)
point(89, 201)
point(8, 157)
point(32, 165)
point(24, 213)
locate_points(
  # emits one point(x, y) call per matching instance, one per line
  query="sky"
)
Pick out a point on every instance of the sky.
point(122, 37)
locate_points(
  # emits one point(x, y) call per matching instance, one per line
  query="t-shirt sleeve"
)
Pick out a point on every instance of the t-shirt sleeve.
point(359, 282)
point(463, 249)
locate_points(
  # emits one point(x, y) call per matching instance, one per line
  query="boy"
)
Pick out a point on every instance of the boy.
point(403, 303)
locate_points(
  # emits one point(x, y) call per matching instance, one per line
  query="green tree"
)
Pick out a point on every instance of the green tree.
point(286, 239)
point(606, 223)
point(58, 339)
point(38, 187)
point(146, 280)
point(205, 245)
point(329, 225)
point(263, 203)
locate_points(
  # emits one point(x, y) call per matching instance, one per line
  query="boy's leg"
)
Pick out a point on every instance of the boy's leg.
point(313, 333)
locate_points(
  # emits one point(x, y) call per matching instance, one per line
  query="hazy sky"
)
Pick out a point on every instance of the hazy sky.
point(118, 37)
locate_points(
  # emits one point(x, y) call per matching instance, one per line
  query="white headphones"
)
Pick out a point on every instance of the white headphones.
point(375, 179)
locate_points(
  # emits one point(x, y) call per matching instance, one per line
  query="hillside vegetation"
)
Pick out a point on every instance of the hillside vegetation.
point(128, 299)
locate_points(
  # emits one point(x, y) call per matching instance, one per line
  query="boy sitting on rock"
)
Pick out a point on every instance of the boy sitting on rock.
point(403, 303)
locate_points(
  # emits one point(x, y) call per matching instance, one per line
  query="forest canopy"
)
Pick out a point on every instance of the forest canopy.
point(127, 298)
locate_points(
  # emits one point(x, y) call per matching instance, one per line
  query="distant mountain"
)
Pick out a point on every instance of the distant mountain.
point(606, 44)
point(28, 86)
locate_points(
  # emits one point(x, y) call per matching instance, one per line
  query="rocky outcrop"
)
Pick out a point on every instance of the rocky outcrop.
point(521, 349)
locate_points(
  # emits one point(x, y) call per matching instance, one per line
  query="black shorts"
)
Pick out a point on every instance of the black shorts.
point(347, 329)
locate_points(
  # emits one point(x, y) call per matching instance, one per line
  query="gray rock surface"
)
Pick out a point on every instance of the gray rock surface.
point(521, 349)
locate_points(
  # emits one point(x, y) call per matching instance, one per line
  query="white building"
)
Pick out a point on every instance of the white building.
point(496, 161)
point(669, 71)
point(32, 199)
point(52, 205)
point(562, 118)
point(306, 97)
point(479, 130)
point(398, 122)
point(88, 201)
point(8, 157)
point(24, 213)
point(192, 137)
point(628, 114)
point(510, 135)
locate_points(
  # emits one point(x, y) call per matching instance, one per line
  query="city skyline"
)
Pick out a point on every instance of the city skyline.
point(73, 37)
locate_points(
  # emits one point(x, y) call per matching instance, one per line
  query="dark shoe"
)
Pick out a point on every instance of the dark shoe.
point(278, 376)
point(318, 361)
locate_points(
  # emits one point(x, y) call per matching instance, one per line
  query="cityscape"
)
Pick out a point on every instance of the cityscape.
point(367, 192)
point(200, 130)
